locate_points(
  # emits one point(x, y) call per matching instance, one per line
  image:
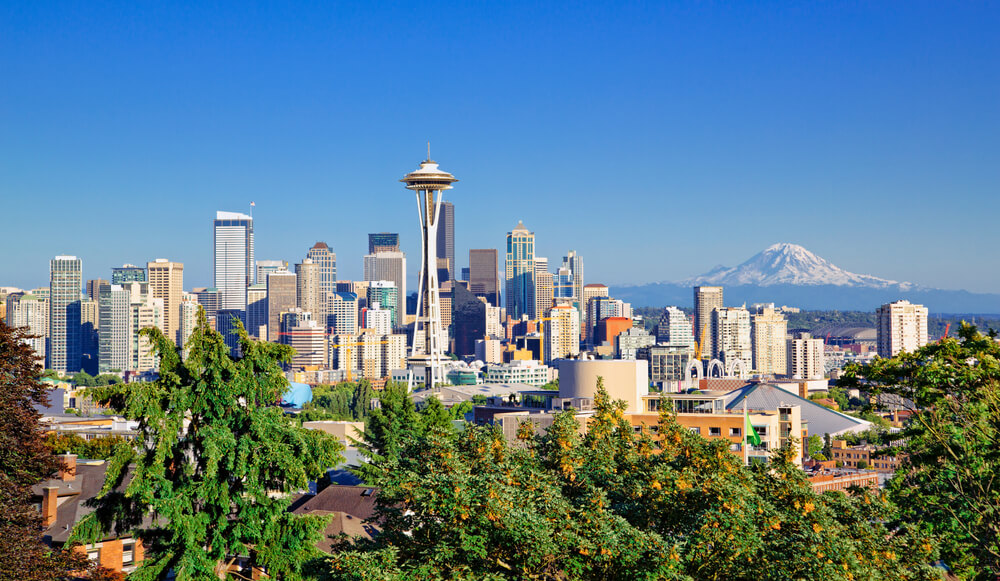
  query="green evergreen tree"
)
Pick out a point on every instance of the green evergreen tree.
point(214, 462)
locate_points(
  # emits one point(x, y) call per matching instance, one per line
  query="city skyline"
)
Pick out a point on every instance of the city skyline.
point(859, 132)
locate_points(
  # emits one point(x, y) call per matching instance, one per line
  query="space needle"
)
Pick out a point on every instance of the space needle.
point(429, 337)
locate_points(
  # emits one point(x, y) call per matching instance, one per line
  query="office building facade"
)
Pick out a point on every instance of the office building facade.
point(322, 255)
point(281, 298)
point(484, 277)
point(520, 273)
point(805, 357)
point(166, 281)
point(446, 241)
point(65, 286)
point(731, 336)
point(234, 258)
point(390, 266)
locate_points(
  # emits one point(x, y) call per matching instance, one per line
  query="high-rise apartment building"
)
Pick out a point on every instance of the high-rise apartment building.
point(31, 311)
point(902, 326)
point(520, 272)
point(166, 281)
point(706, 300)
point(805, 357)
point(731, 336)
point(321, 254)
point(281, 298)
point(234, 258)
point(484, 277)
point(562, 333)
point(189, 319)
point(603, 307)
point(342, 313)
point(769, 333)
point(127, 273)
point(308, 295)
point(378, 319)
point(65, 286)
point(145, 311)
point(574, 262)
point(383, 242)
point(446, 240)
point(591, 291)
point(385, 293)
point(89, 325)
point(390, 266)
point(674, 328)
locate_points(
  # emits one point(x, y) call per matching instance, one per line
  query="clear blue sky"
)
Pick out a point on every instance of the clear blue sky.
point(657, 140)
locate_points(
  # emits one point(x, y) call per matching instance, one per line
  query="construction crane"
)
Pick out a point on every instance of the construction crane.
point(349, 346)
point(350, 349)
point(698, 344)
point(946, 329)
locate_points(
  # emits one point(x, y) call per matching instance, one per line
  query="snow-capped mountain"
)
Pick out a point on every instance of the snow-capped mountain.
point(791, 264)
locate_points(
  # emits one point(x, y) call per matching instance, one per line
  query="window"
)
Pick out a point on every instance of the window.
point(94, 554)
point(761, 430)
point(715, 431)
point(128, 553)
point(637, 429)
point(735, 431)
point(695, 431)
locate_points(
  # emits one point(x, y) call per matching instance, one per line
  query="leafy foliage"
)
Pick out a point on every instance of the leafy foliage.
point(102, 448)
point(949, 486)
point(609, 504)
point(344, 401)
point(214, 455)
point(24, 461)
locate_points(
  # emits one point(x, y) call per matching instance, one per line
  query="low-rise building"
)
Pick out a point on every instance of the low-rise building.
point(865, 455)
point(528, 372)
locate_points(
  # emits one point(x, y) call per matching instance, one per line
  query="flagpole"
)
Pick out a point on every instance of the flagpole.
point(746, 433)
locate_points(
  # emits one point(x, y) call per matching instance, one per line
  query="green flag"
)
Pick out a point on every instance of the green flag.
point(752, 437)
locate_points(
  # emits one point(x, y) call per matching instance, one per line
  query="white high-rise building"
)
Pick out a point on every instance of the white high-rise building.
point(770, 330)
point(731, 336)
point(805, 357)
point(31, 311)
point(189, 319)
point(145, 311)
point(494, 321)
point(675, 328)
point(902, 326)
point(234, 261)
point(378, 319)
point(562, 333)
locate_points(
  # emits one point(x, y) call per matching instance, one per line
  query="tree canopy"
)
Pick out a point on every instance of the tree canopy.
point(609, 504)
point(948, 487)
point(215, 459)
point(24, 461)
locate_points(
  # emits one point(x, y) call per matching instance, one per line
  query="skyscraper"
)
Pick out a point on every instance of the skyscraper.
point(127, 273)
point(389, 265)
point(114, 339)
point(706, 299)
point(544, 293)
point(257, 310)
point(234, 262)
point(383, 242)
point(562, 333)
point(520, 272)
point(574, 262)
point(731, 336)
point(94, 288)
point(281, 298)
point(31, 311)
point(805, 357)
point(484, 277)
point(385, 294)
point(674, 328)
point(266, 267)
point(769, 330)
point(902, 326)
point(342, 313)
point(166, 281)
point(65, 285)
point(446, 239)
point(308, 296)
point(321, 254)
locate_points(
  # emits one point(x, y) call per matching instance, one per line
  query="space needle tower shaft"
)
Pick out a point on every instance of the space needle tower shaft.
point(429, 336)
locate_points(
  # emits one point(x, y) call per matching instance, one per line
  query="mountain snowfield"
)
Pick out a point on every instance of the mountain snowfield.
point(787, 263)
